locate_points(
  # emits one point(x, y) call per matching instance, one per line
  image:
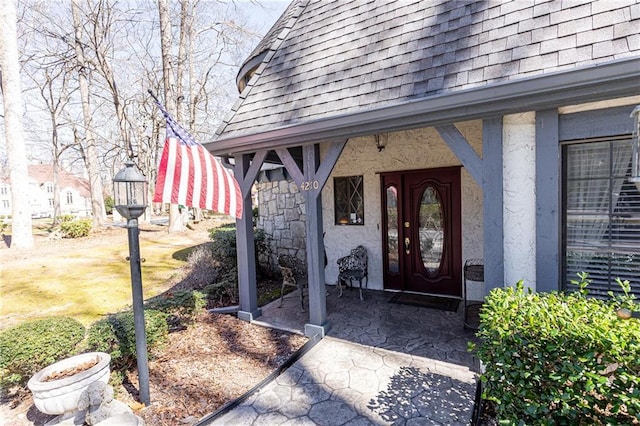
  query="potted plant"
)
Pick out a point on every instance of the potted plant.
point(56, 388)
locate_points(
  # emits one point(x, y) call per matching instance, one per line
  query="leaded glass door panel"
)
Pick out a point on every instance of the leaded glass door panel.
point(422, 231)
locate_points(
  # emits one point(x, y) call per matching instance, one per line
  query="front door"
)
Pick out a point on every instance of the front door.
point(421, 231)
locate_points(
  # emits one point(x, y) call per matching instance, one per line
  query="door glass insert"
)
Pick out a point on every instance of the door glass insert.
point(392, 230)
point(431, 231)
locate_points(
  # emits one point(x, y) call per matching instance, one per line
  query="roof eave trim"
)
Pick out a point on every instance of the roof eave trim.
point(598, 82)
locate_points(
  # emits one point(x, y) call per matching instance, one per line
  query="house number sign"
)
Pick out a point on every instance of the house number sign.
point(308, 185)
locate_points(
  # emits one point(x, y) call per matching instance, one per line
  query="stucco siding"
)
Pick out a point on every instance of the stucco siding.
point(407, 150)
point(519, 198)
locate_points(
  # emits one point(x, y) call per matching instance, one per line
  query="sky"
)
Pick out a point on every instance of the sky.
point(266, 15)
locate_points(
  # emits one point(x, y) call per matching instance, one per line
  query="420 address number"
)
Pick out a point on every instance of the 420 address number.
point(308, 185)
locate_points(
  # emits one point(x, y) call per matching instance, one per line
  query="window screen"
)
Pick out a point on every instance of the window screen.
point(348, 200)
point(601, 216)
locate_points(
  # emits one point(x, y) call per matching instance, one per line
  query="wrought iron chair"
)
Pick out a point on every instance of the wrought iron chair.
point(293, 274)
point(354, 266)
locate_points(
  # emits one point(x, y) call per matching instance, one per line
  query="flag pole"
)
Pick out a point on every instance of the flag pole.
point(155, 98)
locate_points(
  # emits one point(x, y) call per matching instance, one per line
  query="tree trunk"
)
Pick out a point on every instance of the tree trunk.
point(175, 219)
point(97, 202)
point(55, 220)
point(47, 93)
point(21, 226)
point(186, 44)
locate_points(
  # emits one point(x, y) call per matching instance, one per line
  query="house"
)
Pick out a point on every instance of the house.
point(73, 192)
point(433, 132)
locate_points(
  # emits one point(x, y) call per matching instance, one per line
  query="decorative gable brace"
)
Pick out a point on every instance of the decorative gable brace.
point(311, 180)
point(463, 150)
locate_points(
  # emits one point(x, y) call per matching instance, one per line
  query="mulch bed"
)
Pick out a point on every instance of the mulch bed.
point(210, 363)
point(202, 367)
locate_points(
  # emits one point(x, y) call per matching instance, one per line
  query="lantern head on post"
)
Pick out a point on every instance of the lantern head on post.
point(130, 192)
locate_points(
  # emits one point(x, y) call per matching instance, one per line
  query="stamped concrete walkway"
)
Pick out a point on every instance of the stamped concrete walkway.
point(381, 363)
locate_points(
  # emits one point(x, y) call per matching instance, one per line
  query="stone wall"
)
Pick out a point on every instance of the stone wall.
point(281, 215)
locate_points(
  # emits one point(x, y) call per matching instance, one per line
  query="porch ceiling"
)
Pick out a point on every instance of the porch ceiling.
point(594, 83)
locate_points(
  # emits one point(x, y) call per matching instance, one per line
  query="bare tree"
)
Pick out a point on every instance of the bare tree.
point(113, 49)
point(175, 219)
point(21, 227)
point(95, 183)
point(56, 98)
point(185, 60)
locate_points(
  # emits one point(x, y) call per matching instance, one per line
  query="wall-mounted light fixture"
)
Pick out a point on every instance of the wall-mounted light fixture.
point(381, 141)
point(635, 145)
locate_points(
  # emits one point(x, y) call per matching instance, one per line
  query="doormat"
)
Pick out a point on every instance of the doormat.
point(424, 301)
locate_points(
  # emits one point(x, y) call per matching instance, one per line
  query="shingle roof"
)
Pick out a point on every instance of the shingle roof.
point(344, 57)
point(43, 173)
point(269, 41)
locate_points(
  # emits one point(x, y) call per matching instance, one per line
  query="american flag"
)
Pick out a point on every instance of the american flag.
point(190, 176)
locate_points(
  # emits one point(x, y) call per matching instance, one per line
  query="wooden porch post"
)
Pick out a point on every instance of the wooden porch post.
point(492, 205)
point(548, 202)
point(245, 173)
point(318, 323)
point(311, 182)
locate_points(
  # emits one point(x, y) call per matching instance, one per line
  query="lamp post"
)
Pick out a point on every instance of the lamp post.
point(130, 196)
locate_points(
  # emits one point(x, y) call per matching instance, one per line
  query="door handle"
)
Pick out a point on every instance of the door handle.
point(406, 245)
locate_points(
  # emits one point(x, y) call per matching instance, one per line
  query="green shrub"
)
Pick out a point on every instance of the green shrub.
point(75, 228)
point(255, 215)
point(29, 347)
point(183, 305)
point(66, 218)
point(224, 250)
point(109, 204)
point(116, 336)
point(201, 267)
point(553, 358)
point(224, 291)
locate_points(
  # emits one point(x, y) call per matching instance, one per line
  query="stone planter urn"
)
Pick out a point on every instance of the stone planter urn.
point(60, 396)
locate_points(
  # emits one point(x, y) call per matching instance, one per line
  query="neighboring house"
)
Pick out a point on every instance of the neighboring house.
point(432, 132)
point(74, 193)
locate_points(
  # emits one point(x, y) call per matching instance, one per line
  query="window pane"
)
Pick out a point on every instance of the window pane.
point(595, 155)
point(348, 200)
point(602, 216)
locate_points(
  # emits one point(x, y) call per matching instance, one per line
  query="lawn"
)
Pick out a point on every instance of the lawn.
point(89, 277)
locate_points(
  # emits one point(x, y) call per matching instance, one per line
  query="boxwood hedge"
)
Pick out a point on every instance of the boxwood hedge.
point(29, 347)
point(554, 358)
point(116, 336)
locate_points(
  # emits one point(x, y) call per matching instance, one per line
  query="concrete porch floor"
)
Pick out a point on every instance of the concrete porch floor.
point(380, 363)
